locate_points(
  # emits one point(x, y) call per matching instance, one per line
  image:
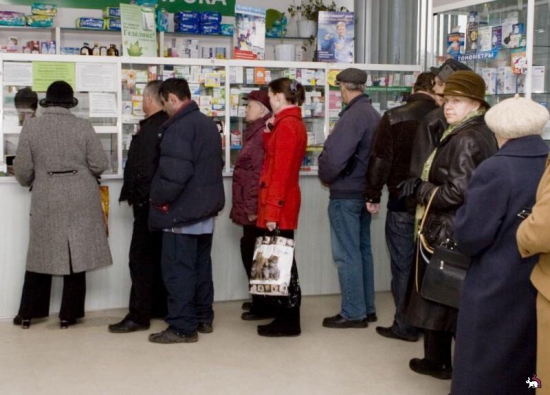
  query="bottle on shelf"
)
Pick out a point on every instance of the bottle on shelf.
point(95, 49)
point(86, 50)
point(103, 50)
point(112, 51)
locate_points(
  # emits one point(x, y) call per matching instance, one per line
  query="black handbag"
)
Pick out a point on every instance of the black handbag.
point(445, 271)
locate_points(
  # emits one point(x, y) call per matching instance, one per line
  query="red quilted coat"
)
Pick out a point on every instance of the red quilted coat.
point(285, 148)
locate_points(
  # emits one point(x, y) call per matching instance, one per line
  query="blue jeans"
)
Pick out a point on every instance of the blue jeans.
point(187, 275)
point(351, 251)
point(400, 241)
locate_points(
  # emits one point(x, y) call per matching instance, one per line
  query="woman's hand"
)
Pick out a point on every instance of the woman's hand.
point(252, 217)
point(271, 226)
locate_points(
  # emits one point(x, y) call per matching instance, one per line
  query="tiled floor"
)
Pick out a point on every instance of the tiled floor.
point(86, 359)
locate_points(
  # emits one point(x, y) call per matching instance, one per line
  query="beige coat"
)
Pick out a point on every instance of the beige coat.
point(534, 238)
point(66, 221)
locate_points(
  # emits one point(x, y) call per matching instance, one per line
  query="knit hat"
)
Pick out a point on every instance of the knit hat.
point(260, 96)
point(447, 69)
point(466, 84)
point(59, 94)
point(517, 117)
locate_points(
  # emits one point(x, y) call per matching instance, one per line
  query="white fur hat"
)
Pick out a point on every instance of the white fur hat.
point(517, 117)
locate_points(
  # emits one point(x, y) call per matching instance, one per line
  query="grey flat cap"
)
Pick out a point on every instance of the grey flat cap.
point(352, 75)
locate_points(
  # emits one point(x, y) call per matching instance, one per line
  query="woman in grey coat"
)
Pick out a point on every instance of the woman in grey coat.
point(60, 156)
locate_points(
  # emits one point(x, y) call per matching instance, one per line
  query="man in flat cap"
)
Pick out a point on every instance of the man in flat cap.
point(343, 167)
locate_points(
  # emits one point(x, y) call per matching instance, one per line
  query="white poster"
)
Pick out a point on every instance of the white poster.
point(96, 77)
point(103, 105)
point(17, 73)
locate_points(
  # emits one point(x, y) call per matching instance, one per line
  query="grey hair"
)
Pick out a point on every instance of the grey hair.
point(263, 106)
point(350, 86)
point(153, 88)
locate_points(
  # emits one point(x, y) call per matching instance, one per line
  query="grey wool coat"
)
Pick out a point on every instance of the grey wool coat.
point(59, 156)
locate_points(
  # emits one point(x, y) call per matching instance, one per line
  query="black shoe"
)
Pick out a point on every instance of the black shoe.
point(424, 366)
point(247, 306)
point(250, 316)
point(391, 334)
point(372, 317)
point(170, 336)
point(17, 320)
point(64, 324)
point(25, 324)
point(279, 329)
point(126, 326)
point(340, 322)
point(205, 327)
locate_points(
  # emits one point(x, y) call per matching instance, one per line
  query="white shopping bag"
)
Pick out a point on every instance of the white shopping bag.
point(271, 267)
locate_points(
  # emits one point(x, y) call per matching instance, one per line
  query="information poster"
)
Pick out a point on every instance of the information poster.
point(18, 73)
point(44, 73)
point(96, 77)
point(335, 41)
point(139, 32)
point(103, 105)
point(249, 33)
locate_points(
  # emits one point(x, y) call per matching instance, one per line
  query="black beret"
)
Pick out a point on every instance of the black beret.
point(352, 75)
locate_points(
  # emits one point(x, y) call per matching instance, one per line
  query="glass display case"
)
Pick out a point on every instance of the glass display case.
point(109, 90)
point(507, 42)
point(387, 86)
point(244, 77)
point(24, 83)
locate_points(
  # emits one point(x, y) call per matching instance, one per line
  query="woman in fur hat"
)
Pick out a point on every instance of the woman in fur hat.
point(496, 333)
point(463, 146)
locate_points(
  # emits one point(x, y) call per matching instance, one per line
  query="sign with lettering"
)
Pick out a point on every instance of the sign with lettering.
point(139, 33)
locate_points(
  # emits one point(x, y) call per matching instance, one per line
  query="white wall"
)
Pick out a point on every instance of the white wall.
point(110, 287)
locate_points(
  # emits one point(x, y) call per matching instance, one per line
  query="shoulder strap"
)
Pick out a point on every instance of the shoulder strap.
point(421, 227)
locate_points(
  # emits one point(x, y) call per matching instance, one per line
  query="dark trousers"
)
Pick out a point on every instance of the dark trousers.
point(35, 300)
point(284, 314)
point(400, 241)
point(437, 346)
point(148, 294)
point(260, 304)
point(187, 274)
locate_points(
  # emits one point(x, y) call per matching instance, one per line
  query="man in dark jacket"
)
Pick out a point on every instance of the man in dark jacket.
point(148, 295)
point(186, 194)
point(389, 163)
point(434, 124)
point(342, 166)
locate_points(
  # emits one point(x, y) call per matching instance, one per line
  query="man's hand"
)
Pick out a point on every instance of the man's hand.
point(271, 226)
point(409, 187)
point(373, 208)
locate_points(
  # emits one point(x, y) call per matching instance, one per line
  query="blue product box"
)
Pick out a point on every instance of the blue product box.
point(187, 28)
point(90, 23)
point(113, 24)
point(210, 17)
point(210, 28)
point(186, 17)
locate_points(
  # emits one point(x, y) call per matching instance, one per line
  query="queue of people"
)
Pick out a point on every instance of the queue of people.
point(467, 171)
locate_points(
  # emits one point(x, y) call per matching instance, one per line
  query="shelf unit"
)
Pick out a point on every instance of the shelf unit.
point(115, 133)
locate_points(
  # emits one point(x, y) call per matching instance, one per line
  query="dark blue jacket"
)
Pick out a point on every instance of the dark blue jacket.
point(496, 337)
point(351, 136)
point(189, 176)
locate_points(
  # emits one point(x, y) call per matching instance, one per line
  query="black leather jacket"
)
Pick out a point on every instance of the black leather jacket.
point(427, 139)
point(390, 156)
point(457, 156)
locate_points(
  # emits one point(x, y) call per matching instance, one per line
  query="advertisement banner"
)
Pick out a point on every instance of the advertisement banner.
point(249, 35)
point(139, 32)
point(44, 73)
point(335, 38)
point(226, 7)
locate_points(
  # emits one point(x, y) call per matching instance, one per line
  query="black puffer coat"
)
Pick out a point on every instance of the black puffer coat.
point(457, 157)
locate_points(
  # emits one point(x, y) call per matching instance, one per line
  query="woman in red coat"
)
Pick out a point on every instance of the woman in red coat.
point(285, 141)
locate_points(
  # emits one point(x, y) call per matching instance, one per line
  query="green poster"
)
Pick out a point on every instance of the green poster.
point(226, 7)
point(44, 73)
point(139, 32)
